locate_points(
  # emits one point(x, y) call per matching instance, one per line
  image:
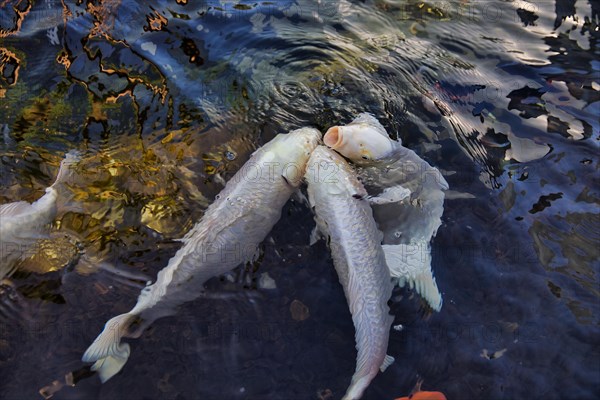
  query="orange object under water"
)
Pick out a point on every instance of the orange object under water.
point(424, 396)
point(418, 394)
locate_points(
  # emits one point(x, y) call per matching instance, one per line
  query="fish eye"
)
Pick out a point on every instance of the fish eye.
point(365, 157)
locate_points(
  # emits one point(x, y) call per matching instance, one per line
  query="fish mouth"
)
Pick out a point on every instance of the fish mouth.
point(333, 137)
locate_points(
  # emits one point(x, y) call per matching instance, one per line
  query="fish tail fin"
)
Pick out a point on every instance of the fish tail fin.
point(411, 265)
point(107, 351)
point(66, 165)
point(65, 200)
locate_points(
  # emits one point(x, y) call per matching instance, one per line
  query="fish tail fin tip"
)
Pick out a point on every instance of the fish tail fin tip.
point(64, 171)
point(411, 266)
point(66, 198)
point(107, 351)
point(110, 366)
point(387, 361)
point(426, 286)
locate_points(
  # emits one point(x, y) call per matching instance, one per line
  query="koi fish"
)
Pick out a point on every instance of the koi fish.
point(343, 215)
point(228, 235)
point(23, 223)
point(409, 201)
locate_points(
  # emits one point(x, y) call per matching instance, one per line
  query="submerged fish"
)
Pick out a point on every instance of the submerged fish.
point(344, 216)
point(409, 202)
point(227, 235)
point(418, 394)
point(23, 223)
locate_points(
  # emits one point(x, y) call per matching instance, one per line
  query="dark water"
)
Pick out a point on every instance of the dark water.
point(165, 97)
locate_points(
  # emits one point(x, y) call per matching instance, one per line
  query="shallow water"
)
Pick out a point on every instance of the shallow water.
point(165, 98)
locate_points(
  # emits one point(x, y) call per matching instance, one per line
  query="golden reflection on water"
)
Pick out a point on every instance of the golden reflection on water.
point(20, 14)
point(154, 159)
point(9, 70)
point(50, 255)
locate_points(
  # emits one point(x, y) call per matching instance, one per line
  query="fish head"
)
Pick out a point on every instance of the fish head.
point(289, 152)
point(361, 141)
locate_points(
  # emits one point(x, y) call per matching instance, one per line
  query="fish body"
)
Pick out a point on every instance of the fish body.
point(227, 235)
point(408, 199)
point(344, 216)
point(23, 223)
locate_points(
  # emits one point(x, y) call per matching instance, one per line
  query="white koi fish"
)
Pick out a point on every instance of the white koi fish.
point(23, 223)
point(409, 204)
point(344, 216)
point(227, 235)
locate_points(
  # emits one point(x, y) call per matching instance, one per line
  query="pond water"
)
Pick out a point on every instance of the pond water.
point(167, 99)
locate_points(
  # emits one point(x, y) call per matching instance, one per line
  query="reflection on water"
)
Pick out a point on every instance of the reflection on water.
point(167, 99)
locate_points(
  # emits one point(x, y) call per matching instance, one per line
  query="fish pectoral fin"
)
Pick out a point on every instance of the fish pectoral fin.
point(315, 235)
point(390, 195)
point(387, 361)
point(411, 265)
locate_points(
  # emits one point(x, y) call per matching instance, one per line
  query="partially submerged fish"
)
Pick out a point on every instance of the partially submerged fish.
point(344, 216)
point(227, 235)
point(23, 223)
point(418, 394)
point(409, 204)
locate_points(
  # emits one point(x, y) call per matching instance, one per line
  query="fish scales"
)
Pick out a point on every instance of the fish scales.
point(408, 200)
point(344, 216)
point(227, 235)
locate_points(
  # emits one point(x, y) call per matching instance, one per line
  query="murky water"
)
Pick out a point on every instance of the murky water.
point(165, 98)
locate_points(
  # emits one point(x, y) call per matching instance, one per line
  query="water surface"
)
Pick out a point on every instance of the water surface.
point(167, 99)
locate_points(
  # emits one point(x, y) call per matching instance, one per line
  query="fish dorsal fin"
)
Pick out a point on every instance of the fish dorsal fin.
point(411, 265)
point(14, 209)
